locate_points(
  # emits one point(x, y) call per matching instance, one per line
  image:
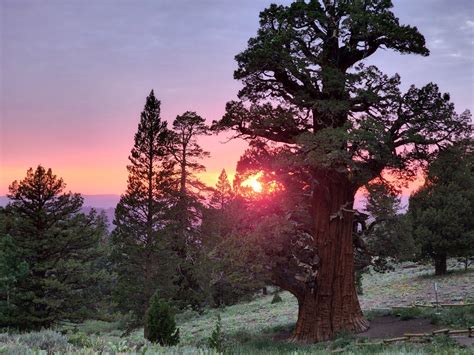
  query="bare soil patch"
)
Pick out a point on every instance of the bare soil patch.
point(393, 327)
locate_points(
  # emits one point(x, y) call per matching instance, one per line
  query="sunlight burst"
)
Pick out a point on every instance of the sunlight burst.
point(253, 183)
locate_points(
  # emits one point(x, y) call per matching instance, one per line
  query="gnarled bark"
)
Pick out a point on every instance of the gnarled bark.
point(331, 305)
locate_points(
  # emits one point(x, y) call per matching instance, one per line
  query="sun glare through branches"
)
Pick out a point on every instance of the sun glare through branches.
point(254, 183)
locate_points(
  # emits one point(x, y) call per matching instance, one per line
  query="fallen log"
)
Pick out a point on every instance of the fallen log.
point(368, 344)
point(424, 305)
point(456, 304)
point(393, 340)
point(416, 335)
point(461, 331)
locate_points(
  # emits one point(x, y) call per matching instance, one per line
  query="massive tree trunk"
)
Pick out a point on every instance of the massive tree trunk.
point(331, 304)
point(440, 264)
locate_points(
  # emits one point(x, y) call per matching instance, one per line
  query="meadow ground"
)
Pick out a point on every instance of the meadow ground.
point(259, 326)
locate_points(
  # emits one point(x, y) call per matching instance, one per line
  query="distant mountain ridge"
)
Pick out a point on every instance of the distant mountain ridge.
point(104, 201)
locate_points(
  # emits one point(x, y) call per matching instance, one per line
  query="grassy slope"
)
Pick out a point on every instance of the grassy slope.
point(254, 326)
point(397, 288)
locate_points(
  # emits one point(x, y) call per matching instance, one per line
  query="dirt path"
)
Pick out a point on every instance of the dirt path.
point(393, 327)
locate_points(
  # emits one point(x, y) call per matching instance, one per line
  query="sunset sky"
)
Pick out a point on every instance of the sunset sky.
point(75, 75)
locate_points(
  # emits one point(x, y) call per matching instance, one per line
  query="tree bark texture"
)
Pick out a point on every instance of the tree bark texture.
point(331, 305)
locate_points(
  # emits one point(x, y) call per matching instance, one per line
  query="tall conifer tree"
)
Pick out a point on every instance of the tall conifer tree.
point(187, 153)
point(142, 215)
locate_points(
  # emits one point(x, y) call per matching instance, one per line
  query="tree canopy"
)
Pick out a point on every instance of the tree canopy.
point(323, 123)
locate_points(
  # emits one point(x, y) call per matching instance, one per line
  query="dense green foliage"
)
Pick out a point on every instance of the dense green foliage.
point(441, 210)
point(12, 270)
point(156, 244)
point(389, 235)
point(235, 271)
point(56, 250)
point(160, 326)
point(383, 235)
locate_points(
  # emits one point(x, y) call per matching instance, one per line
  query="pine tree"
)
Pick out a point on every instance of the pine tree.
point(160, 325)
point(139, 241)
point(59, 244)
point(222, 194)
point(388, 235)
point(190, 263)
point(217, 218)
point(441, 210)
point(186, 154)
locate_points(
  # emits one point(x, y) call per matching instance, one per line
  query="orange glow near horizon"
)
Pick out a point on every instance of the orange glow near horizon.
point(93, 180)
point(103, 180)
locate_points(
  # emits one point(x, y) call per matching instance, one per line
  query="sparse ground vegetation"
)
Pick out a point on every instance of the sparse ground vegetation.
point(262, 327)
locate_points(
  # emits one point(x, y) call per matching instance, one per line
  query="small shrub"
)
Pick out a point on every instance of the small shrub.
point(15, 349)
point(5, 338)
point(121, 347)
point(47, 340)
point(80, 340)
point(276, 298)
point(409, 313)
point(216, 340)
point(374, 313)
point(160, 325)
point(127, 321)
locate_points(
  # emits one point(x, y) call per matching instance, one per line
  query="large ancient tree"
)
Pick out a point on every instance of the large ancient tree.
point(339, 124)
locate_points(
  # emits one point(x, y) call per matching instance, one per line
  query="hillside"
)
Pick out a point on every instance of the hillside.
point(259, 326)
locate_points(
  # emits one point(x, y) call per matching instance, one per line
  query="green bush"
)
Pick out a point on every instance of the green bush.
point(160, 325)
point(80, 340)
point(216, 340)
point(276, 298)
point(47, 340)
